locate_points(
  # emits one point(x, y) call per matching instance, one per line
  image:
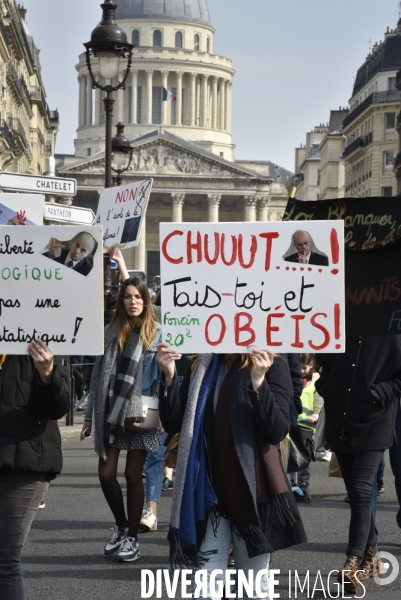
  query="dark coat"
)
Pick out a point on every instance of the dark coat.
point(29, 409)
point(83, 266)
point(360, 389)
point(314, 259)
point(267, 411)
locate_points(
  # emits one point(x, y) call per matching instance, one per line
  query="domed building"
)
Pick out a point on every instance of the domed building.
point(185, 145)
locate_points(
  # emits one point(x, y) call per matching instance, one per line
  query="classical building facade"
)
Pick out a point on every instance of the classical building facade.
point(370, 128)
point(28, 128)
point(186, 146)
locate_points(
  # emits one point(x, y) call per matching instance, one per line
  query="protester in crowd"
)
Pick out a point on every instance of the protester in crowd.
point(126, 374)
point(153, 468)
point(33, 395)
point(232, 410)
point(312, 404)
point(395, 460)
point(157, 304)
point(360, 389)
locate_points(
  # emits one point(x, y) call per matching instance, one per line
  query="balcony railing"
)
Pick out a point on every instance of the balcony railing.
point(358, 143)
point(16, 126)
point(375, 98)
point(6, 133)
point(12, 77)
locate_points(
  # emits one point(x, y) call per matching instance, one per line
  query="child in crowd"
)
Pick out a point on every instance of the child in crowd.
point(312, 404)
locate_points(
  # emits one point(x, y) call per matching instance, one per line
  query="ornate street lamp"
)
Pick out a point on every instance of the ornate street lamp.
point(121, 149)
point(108, 44)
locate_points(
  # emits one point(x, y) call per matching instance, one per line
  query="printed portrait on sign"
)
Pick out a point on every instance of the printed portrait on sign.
point(303, 250)
point(76, 254)
point(130, 231)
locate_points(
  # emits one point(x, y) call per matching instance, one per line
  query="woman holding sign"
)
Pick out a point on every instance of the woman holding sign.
point(33, 395)
point(122, 410)
point(230, 487)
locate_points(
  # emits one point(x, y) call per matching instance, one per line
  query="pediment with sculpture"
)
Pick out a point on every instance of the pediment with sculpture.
point(161, 158)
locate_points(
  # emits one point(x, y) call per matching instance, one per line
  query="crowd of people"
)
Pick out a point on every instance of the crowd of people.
point(229, 415)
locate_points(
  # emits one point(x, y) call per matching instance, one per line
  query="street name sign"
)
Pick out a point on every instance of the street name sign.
point(37, 183)
point(69, 214)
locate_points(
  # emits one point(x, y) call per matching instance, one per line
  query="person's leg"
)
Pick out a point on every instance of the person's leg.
point(244, 564)
point(359, 471)
point(214, 548)
point(154, 476)
point(135, 493)
point(380, 470)
point(304, 477)
point(20, 495)
point(395, 461)
point(111, 488)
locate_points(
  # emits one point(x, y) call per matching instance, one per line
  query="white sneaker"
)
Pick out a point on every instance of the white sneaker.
point(326, 456)
point(148, 521)
point(129, 550)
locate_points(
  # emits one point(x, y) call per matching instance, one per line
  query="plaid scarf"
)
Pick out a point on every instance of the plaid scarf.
point(118, 388)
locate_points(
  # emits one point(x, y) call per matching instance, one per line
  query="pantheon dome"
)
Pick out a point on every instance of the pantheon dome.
point(193, 11)
point(185, 145)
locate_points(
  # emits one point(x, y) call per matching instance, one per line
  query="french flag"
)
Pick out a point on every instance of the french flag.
point(168, 96)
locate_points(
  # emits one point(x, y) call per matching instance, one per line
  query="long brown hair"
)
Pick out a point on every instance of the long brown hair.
point(236, 361)
point(146, 320)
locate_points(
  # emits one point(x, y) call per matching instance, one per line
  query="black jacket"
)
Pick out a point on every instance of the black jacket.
point(29, 409)
point(314, 259)
point(360, 389)
point(267, 411)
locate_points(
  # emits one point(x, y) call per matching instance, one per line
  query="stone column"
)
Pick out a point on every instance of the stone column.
point(228, 105)
point(222, 105)
point(88, 100)
point(140, 251)
point(213, 202)
point(134, 99)
point(82, 100)
point(178, 201)
point(204, 101)
point(250, 208)
point(192, 100)
point(149, 94)
point(179, 99)
point(263, 203)
point(215, 110)
point(164, 104)
point(98, 103)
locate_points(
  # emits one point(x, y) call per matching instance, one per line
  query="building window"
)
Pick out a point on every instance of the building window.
point(156, 105)
point(208, 45)
point(173, 107)
point(139, 105)
point(391, 84)
point(88, 152)
point(196, 42)
point(387, 191)
point(178, 39)
point(388, 159)
point(157, 39)
point(318, 177)
point(130, 104)
point(135, 38)
point(390, 120)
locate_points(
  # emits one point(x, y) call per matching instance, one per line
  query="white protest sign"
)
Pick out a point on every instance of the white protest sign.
point(21, 209)
point(51, 287)
point(227, 286)
point(121, 211)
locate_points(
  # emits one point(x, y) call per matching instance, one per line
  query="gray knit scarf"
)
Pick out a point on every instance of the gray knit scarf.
point(118, 387)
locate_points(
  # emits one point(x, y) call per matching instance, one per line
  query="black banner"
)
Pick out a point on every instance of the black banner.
point(372, 237)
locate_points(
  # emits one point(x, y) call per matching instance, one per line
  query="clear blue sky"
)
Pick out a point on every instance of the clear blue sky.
point(294, 62)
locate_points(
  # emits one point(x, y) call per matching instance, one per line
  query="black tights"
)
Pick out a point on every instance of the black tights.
point(112, 489)
point(358, 471)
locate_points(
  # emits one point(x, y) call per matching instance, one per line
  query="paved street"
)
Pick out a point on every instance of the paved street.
point(64, 560)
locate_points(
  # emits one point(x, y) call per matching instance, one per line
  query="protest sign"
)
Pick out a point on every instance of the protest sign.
point(21, 209)
point(372, 238)
point(51, 287)
point(228, 286)
point(121, 211)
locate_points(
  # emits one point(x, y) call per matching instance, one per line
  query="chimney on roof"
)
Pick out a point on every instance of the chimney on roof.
point(22, 11)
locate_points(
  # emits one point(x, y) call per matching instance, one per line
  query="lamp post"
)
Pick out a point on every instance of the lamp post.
point(108, 44)
point(121, 148)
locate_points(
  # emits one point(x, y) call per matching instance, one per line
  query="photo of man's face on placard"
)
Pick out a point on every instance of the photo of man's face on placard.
point(76, 254)
point(305, 250)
